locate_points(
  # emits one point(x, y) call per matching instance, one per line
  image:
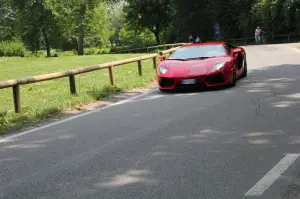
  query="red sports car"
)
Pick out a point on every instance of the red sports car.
point(202, 65)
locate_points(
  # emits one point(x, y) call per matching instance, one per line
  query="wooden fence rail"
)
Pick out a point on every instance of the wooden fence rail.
point(268, 39)
point(16, 83)
point(165, 46)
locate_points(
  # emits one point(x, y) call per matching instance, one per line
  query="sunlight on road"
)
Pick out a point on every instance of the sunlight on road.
point(129, 177)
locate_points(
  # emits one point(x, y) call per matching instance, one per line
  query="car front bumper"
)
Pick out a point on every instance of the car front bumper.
point(202, 81)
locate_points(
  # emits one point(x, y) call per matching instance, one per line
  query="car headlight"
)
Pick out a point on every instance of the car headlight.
point(163, 70)
point(218, 66)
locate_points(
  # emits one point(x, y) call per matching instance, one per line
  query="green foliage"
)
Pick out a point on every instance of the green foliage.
point(36, 24)
point(92, 51)
point(12, 49)
point(277, 16)
point(105, 92)
point(152, 14)
point(70, 25)
point(129, 36)
point(116, 17)
point(82, 18)
point(7, 20)
point(97, 33)
point(10, 121)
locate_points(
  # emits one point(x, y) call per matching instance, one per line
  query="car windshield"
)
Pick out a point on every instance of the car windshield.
point(198, 52)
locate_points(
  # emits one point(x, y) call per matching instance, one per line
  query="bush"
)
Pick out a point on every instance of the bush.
point(92, 51)
point(68, 53)
point(105, 92)
point(37, 54)
point(12, 49)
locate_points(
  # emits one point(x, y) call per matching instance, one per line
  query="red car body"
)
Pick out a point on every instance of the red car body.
point(202, 72)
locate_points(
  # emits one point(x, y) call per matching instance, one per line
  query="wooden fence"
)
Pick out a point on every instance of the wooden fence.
point(147, 49)
point(16, 83)
point(268, 39)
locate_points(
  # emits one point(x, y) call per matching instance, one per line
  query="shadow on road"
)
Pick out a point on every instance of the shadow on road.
point(263, 113)
point(202, 152)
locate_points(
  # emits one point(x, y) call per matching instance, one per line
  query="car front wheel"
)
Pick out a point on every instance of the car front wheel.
point(245, 72)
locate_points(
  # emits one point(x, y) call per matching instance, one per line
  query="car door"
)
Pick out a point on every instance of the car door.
point(237, 54)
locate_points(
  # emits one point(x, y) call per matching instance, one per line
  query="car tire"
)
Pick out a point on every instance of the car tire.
point(245, 72)
point(233, 84)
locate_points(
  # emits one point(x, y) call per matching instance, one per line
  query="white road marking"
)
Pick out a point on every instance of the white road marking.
point(296, 49)
point(186, 94)
point(153, 97)
point(261, 186)
point(10, 138)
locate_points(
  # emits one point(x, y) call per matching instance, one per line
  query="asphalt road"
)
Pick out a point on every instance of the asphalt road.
point(233, 143)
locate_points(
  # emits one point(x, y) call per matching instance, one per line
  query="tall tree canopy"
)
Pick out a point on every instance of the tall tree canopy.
point(76, 17)
point(36, 24)
point(76, 24)
point(152, 14)
point(7, 20)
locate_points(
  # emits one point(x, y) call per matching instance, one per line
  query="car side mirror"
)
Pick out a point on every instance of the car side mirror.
point(235, 51)
point(162, 58)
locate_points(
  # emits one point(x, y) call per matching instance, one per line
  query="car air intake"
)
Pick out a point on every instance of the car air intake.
point(164, 82)
point(214, 79)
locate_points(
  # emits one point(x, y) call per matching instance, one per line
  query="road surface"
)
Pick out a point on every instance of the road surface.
point(234, 143)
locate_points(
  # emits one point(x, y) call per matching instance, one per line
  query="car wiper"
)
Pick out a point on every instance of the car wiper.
point(177, 59)
point(192, 58)
point(199, 58)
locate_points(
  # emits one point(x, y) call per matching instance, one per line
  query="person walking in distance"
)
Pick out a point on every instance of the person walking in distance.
point(258, 35)
point(191, 39)
point(198, 39)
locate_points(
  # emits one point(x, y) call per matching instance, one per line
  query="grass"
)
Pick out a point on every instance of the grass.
point(45, 99)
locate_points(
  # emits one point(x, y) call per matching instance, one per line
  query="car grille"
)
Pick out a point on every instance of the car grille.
point(214, 79)
point(164, 82)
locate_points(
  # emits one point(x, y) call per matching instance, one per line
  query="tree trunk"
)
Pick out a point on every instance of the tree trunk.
point(46, 42)
point(81, 31)
point(81, 40)
point(156, 33)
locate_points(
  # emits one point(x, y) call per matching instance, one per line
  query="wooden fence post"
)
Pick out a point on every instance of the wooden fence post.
point(72, 84)
point(154, 62)
point(16, 94)
point(111, 75)
point(140, 67)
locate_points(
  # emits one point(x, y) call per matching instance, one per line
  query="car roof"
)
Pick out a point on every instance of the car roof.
point(205, 43)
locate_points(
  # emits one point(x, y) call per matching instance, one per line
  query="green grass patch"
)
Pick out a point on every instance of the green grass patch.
point(43, 100)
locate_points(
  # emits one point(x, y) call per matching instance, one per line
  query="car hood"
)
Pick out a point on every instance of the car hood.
point(191, 67)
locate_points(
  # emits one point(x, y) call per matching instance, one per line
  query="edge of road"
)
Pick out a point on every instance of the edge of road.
point(10, 136)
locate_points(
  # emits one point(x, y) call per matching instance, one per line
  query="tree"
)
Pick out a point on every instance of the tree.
point(75, 16)
point(7, 20)
point(152, 14)
point(36, 24)
point(129, 36)
point(116, 18)
point(277, 16)
point(97, 30)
